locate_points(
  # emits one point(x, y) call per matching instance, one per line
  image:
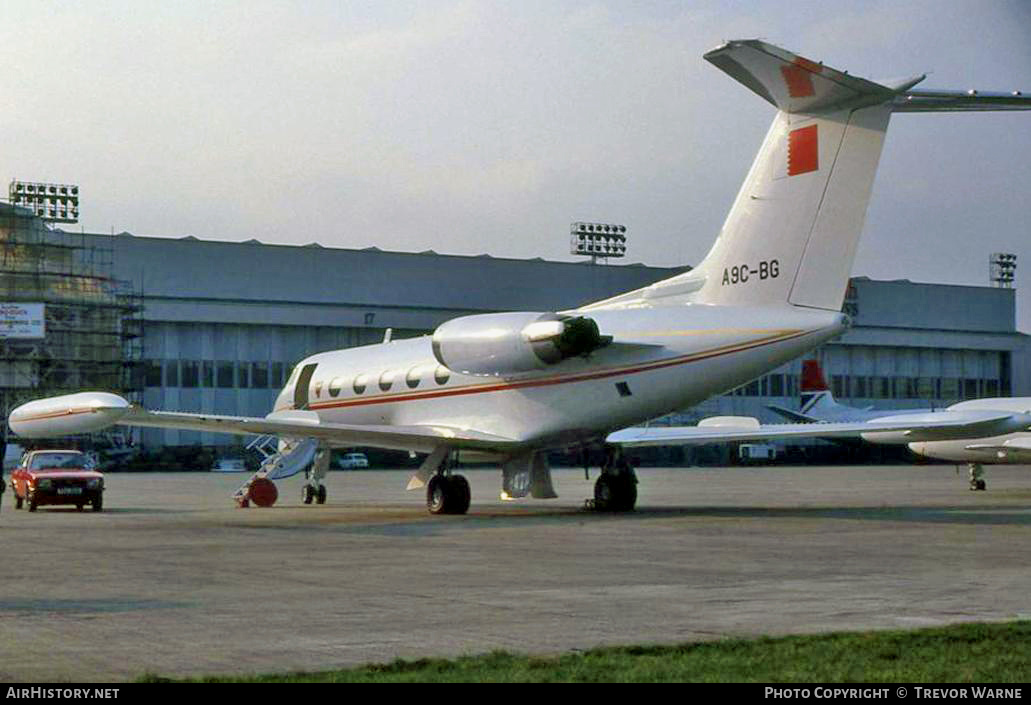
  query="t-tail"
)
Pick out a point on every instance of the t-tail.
point(792, 232)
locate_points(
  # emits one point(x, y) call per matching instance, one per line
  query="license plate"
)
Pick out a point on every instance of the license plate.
point(69, 490)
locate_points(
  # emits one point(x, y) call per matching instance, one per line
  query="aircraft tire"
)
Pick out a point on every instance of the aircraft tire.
point(307, 494)
point(320, 495)
point(438, 495)
point(462, 494)
point(615, 493)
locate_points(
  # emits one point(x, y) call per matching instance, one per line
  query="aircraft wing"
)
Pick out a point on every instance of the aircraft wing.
point(92, 411)
point(903, 428)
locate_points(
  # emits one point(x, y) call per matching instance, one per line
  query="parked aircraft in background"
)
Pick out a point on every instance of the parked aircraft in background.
point(511, 386)
point(818, 406)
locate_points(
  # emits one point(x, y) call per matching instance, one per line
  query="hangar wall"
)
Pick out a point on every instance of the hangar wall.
point(225, 322)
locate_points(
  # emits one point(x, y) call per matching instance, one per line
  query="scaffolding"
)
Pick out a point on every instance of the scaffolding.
point(92, 323)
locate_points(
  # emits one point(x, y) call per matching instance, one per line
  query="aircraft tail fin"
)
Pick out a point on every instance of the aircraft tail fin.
point(792, 232)
point(812, 376)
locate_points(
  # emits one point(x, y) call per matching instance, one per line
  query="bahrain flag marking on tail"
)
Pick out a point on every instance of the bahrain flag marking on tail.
point(803, 150)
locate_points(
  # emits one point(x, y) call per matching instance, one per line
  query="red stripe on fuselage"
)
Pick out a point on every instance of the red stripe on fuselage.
point(550, 381)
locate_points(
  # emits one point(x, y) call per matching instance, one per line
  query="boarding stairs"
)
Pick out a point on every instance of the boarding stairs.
point(280, 459)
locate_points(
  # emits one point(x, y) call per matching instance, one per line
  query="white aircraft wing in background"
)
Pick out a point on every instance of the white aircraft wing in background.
point(903, 428)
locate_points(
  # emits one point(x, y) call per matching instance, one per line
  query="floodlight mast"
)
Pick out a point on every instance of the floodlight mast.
point(597, 240)
point(54, 203)
point(1002, 268)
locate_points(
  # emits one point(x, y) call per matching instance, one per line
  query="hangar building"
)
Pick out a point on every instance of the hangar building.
point(224, 322)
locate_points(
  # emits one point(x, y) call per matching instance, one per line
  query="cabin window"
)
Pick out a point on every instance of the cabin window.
point(441, 375)
point(335, 386)
point(360, 383)
point(386, 380)
point(413, 377)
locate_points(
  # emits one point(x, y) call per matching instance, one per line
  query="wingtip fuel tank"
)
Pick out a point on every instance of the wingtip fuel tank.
point(67, 415)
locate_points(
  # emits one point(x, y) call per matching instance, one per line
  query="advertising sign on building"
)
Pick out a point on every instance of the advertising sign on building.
point(22, 321)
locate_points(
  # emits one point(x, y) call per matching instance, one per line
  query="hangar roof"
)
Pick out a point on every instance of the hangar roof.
point(314, 274)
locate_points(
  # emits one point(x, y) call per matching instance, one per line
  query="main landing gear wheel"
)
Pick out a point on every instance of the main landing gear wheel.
point(448, 494)
point(615, 493)
point(320, 495)
point(977, 482)
point(307, 494)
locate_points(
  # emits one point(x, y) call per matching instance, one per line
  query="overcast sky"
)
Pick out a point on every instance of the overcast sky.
point(487, 127)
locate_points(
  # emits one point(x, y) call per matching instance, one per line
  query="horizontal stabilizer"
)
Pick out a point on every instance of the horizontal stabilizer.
point(793, 83)
point(928, 101)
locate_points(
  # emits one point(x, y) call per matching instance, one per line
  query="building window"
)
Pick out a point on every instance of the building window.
point(860, 387)
point(259, 375)
point(152, 374)
point(838, 386)
point(991, 387)
point(776, 385)
point(970, 389)
point(207, 374)
point(927, 387)
point(225, 374)
point(171, 373)
point(950, 388)
point(243, 378)
point(277, 375)
point(190, 374)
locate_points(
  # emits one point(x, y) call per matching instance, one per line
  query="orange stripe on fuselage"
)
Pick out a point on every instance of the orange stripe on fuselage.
point(550, 381)
point(56, 414)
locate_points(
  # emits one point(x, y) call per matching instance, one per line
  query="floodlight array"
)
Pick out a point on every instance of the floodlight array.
point(1002, 268)
point(597, 239)
point(58, 203)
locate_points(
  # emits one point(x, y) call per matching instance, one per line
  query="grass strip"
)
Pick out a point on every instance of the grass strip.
point(979, 653)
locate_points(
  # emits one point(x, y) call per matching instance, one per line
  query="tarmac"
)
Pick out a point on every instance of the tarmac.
point(173, 579)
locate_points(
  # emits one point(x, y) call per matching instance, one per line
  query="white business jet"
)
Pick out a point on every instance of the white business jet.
point(511, 386)
point(819, 406)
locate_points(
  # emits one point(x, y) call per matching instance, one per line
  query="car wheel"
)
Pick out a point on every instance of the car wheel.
point(18, 501)
point(98, 502)
point(31, 499)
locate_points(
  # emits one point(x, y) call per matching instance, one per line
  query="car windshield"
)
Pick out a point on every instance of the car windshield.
point(57, 460)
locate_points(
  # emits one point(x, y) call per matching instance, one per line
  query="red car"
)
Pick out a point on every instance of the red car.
point(57, 477)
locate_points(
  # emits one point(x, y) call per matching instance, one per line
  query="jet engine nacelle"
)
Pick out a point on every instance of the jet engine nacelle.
point(496, 344)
